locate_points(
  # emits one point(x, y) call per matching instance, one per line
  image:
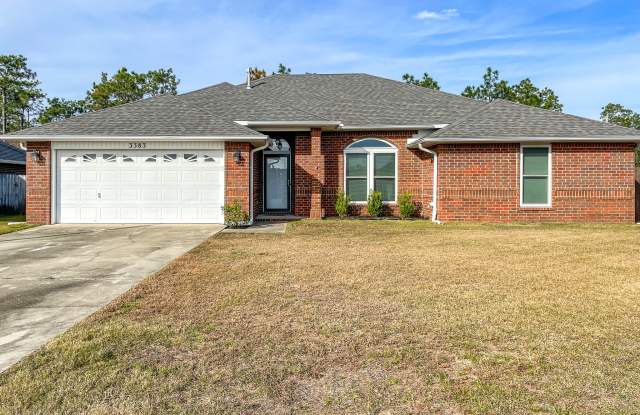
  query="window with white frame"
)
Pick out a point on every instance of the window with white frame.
point(370, 165)
point(535, 176)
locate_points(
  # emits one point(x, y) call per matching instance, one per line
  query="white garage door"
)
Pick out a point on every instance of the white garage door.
point(140, 186)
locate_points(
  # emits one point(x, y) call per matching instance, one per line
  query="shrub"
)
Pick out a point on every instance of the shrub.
point(234, 216)
point(342, 204)
point(407, 207)
point(374, 204)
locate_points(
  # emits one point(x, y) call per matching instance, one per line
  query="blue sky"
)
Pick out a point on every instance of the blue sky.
point(587, 51)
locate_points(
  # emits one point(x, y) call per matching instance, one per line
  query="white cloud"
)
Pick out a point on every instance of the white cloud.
point(441, 15)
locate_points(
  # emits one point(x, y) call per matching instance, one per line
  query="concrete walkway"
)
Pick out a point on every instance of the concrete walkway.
point(53, 276)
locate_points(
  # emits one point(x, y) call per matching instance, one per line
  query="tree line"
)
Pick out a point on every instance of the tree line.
point(23, 104)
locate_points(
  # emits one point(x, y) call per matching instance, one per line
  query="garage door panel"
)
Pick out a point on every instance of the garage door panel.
point(210, 195)
point(170, 195)
point(89, 213)
point(140, 186)
point(110, 177)
point(129, 176)
point(128, 195)
point(88, 176)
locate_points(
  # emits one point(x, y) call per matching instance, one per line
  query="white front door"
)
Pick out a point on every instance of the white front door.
point(140, 186)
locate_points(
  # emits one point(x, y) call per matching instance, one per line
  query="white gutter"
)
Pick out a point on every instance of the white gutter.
point(596, 139)
point(310, 123)
point(434, 192)
point(251, 153)
point(392, 127)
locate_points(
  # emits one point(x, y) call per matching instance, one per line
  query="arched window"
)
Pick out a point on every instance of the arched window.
point(370, 165)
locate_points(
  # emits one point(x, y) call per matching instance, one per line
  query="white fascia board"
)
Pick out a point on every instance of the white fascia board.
point(284, 124)
point(12, 162)
point(594, 139)
point(141, 138)
point(393, 127)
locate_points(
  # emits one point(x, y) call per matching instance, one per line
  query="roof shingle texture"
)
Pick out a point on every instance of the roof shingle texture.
point(506, 119)
point(352, 99)
point(165, 115)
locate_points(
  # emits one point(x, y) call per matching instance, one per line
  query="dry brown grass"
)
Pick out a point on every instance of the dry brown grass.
point(362, 317)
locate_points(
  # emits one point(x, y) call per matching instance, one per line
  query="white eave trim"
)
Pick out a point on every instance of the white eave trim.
point(139, 138)
point(393, 127)
point(597, 139)
point(311, 123)
point(12, 162)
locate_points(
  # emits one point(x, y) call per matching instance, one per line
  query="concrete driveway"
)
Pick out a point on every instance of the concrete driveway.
point(54, 276)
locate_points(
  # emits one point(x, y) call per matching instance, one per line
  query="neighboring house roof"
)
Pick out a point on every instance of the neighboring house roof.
point(338, 101)
point(11, 155)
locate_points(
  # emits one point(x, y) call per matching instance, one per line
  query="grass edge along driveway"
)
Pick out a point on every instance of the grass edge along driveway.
point(6, 228)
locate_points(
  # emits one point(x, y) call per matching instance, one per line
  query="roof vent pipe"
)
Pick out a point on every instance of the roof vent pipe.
point(248, 78)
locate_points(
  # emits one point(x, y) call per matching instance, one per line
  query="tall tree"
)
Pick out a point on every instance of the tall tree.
point(525, 92)
point(427, 81)
point(60, 108)
point(282, 70)
point(20, 95)
point(125, 86)
point(618, 114)
point(256, 73)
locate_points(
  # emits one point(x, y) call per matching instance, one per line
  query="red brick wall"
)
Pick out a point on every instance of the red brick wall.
point(236, 178)
point(415, 170)
point(39, 184)
point(590, 183)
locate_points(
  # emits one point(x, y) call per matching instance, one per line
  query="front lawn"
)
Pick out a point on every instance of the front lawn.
point(361, 317)
point(6, 228)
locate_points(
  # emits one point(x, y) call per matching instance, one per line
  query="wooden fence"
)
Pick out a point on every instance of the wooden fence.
point(13, 192)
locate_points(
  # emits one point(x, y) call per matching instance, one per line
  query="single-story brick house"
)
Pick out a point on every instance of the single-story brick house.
point(287, 144)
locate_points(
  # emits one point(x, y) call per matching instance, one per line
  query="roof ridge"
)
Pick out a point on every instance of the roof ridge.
point(462, 119)
point(412, 86)
point(205, 88)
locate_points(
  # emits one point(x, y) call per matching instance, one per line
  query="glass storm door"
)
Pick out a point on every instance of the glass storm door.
point(277, 182)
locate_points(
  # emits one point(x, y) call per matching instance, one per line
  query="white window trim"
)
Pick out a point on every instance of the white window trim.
point(371, 151)
point(549, 177)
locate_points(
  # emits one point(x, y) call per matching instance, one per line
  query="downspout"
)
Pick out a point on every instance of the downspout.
point(251, 153)
point(434, 202)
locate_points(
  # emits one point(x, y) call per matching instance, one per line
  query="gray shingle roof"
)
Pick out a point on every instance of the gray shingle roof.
point(11, 153)
point(355, 100)
point(506, 119)
point(165, 115)
point(361, 99)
